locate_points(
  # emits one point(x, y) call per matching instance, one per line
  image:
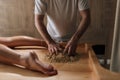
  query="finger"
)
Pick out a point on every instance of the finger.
point(50, 52)
point(65, 51)
point(72, 53)
point(69, 51)
point(55, 51)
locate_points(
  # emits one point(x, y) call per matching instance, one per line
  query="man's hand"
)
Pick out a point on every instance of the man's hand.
point(70, 48)
point(54, 48)
point(72, 44)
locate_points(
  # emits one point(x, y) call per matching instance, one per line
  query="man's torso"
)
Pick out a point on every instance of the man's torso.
point(62, 18)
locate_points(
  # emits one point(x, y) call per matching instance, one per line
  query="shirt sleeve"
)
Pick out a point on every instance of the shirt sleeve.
point(83, 4)
point(40, 7)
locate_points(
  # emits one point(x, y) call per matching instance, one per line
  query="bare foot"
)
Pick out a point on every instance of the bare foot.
point(31, 61)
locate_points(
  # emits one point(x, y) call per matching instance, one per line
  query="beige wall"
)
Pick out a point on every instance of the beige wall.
point(16, 18)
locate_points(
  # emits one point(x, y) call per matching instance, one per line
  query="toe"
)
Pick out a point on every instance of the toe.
point(45, 67)
point(51, 73)
point(50, 68)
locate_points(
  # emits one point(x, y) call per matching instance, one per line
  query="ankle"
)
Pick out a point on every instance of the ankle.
point(23, 59)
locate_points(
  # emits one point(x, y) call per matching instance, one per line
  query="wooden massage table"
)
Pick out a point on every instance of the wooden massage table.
point(87, 68)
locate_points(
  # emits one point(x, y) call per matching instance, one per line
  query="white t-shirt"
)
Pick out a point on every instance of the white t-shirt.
point(61, 16)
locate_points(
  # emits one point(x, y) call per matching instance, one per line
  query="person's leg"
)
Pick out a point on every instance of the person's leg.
point(28, 60)
point(21, 41)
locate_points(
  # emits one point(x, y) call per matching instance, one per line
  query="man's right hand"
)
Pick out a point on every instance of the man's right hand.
point(54, 48)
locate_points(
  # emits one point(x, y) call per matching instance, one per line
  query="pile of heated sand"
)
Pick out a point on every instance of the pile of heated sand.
point(61, 58)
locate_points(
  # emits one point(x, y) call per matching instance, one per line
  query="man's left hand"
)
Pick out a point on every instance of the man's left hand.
point(70, 48)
